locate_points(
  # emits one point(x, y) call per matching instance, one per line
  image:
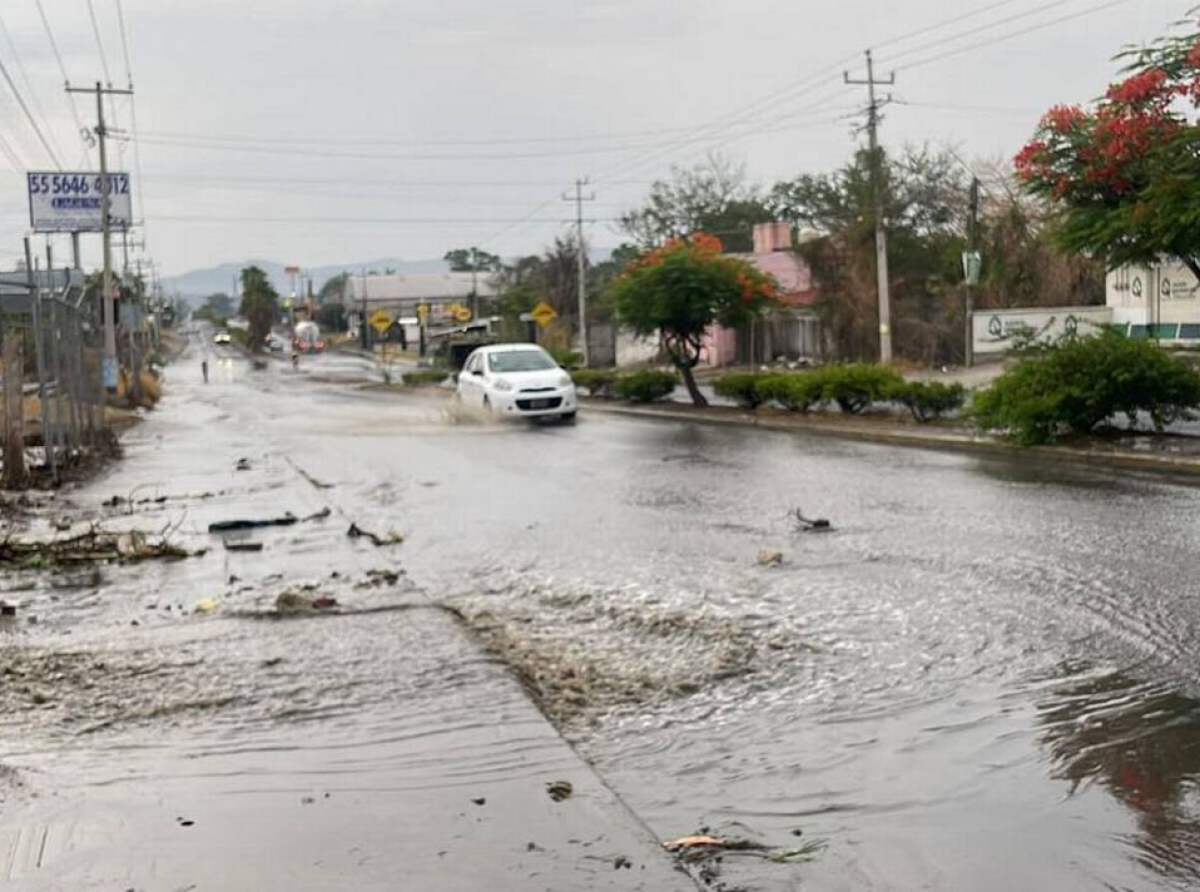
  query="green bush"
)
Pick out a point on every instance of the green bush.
point(424, 377)
point(1077, 383)
point(856, 385)
point(927, 400)
point(566, 357)
point(646, 387)
point(597, 382)
point(742, 387)
point(795, 392)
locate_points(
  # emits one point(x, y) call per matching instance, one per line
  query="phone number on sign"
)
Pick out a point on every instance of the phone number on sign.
point(76, 184)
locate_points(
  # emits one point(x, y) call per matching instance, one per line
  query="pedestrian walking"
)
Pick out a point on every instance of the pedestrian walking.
point(204, 369)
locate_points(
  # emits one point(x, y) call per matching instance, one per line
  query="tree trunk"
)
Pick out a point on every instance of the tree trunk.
point(689, 381)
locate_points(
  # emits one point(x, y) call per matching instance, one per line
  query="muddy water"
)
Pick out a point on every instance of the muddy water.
point(981, 679)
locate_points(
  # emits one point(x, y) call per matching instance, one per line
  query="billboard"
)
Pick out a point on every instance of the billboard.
point(70, 201)
point(994, 331)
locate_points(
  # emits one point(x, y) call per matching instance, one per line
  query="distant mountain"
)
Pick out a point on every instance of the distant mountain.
point(200, 283)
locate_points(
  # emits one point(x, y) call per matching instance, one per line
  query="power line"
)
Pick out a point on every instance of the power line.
point(133, 125)
point(1011, 35)
point(112, 104)
point(945, 23)
point(33, 97)
point(306, 219)
point(29, 115)
point(79, 126)
point(980, 29)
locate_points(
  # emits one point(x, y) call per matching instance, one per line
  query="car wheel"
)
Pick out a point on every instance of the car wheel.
point(567, 417)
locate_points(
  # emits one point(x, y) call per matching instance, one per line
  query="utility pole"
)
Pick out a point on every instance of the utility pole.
point(110, 326)
point(362, 328)
point(881, 254)
point(475, 284)
point(970, 271)
point(579, 198)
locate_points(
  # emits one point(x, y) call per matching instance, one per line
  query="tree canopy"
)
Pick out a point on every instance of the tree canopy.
point(1125, 173)
point(465, 260)
point(260, 305)
point(678, 290)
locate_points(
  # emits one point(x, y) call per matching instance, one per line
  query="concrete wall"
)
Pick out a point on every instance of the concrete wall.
point(994, 330)
point(1167, 293)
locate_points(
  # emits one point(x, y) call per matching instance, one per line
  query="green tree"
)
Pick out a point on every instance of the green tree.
point(332, 317)
point(679, 290)
point(260, 305)
point(465, 260)
point(215, 306)
point(333, 289)
point(1125, 173)
point(712, 198)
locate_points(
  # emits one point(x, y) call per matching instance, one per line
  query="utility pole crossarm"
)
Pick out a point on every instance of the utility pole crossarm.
point(579, 198)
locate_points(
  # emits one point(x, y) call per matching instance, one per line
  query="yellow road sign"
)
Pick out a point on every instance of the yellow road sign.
point(422, 312)
point(381, 320)
point(462, 314)
point(543, 314)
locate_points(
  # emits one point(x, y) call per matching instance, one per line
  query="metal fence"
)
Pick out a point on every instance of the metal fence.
point(51, 341)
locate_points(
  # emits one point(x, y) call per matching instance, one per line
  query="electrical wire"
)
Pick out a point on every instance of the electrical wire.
point(133, 125)
point(112, 105)
point(29, 115)
point(1040, 26)
point(24, 75)
point(306, 219)
point(945, 23)
point(62, 69)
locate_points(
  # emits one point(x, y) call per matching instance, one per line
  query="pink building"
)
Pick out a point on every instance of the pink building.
point(794, 329)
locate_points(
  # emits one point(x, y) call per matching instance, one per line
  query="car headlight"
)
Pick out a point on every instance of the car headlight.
point(564, 381)
point(502, 385)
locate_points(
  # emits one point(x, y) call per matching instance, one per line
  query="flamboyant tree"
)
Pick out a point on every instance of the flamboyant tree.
point(678, 290)
point(1125, 172)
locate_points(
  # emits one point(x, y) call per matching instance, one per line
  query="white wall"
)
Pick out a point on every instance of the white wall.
point(632, 349)
point(1147, 295)
point(994, 330)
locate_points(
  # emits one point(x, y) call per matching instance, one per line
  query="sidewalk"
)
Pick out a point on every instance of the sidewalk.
point(374, 747)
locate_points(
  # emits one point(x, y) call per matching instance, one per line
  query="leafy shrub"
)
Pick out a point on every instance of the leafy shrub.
point(797, 393)
point(646, 387)
point(855, 386)
point(741, 387)
point(566, 357)
point(1077, 383)
point(597, 382)
point(927, 400)
point(424, 377)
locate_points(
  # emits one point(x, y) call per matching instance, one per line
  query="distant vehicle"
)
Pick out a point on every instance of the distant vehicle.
point(517, 381)
point(274, 343)
point(222, 337)
point(306, 338)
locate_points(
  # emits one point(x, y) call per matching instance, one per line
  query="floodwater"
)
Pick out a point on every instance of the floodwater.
point(983, 678)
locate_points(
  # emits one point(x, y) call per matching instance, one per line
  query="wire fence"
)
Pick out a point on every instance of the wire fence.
point(54, 394)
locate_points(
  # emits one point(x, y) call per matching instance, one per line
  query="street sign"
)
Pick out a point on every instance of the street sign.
point(462, 314)
point(381, 320)
point(71, 201)
point(543, 314)
point(972, 263)
point(422, 312)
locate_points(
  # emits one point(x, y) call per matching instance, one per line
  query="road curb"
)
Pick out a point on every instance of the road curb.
point(945, 442)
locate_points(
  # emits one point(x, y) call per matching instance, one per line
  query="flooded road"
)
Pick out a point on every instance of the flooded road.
point(981, 679)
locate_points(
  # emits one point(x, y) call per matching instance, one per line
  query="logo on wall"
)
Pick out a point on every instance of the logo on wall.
point(1071, 324)
point(1165, 288)
point(1136, 287)
point(995, 328)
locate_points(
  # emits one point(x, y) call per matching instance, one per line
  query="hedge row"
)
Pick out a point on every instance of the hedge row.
point(851, 387)
point(424, 377)
point(637, 387)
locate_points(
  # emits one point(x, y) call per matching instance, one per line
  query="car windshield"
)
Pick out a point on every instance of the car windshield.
point(520, 361)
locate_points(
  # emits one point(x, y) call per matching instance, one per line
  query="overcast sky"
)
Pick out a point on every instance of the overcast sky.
point(316, 132)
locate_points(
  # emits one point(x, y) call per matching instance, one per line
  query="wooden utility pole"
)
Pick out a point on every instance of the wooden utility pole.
point(881, 251)
point(110, 324)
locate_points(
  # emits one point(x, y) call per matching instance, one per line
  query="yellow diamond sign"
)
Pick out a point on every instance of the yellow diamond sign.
point(381, 320)
point(462, 314)
point(543, 314)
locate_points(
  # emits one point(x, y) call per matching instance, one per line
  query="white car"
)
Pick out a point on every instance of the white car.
point(222, 337)
point(517, 381)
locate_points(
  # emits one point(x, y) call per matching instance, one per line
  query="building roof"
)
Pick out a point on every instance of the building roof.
point(416, 286)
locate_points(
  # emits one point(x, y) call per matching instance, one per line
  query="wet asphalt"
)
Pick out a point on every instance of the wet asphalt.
point(982, 679)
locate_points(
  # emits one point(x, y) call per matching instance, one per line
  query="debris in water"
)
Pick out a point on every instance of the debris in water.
point(807, 525)
point(621, 861)
point(357, 532)
point(94, 545)
point(560, 790)
point(480, 801)
point(768, 558)
point(206, 605)
point(243, 464)
point(693, 842)
point(61, 524)
point(7, 608)
point(294, 601)
point(243, 546)
point(287, 520)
